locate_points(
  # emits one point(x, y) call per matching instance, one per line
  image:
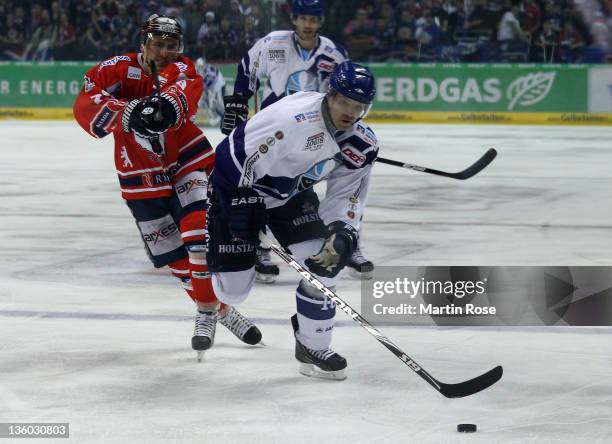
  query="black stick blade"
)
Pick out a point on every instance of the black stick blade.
point(472, 386)
point(478, 166)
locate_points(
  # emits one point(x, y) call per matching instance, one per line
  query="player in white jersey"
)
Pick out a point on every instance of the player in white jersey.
point(263, 174)
point(211, 102)
point(285, 62)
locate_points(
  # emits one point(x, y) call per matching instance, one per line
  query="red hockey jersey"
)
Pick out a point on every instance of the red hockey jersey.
point(108, 88)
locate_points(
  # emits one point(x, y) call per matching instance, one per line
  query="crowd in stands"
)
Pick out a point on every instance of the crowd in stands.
point(543, 31)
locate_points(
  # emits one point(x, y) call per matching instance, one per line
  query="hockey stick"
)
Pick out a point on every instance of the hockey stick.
point(458, 390)
point(470, 171)
point(155, 75)
point(155, 143)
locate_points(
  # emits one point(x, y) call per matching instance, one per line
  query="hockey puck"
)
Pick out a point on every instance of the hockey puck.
point(466, 428)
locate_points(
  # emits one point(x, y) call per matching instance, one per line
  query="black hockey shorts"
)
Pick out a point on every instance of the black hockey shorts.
point(296, 221)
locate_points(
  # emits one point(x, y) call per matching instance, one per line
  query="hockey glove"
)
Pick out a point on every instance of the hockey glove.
point(150, 116)
point(336, 252)
point(236, 112)
point(247, 215)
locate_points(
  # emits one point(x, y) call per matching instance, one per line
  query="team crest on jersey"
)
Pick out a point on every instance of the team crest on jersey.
point(314, 143)
point(279, 135)
point(114, 61)
point(134, 73)
point(263, 148)
point(270, 141)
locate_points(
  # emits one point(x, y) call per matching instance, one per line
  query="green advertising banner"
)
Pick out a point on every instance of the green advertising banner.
point(481, 87)
point(41, 84)
point(407, 92)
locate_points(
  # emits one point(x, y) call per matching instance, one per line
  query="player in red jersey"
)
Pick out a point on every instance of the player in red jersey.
point(163, 161)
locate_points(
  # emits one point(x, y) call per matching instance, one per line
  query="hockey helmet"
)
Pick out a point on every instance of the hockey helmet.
point(307, 7)
point(353, 81)
point(162, 26)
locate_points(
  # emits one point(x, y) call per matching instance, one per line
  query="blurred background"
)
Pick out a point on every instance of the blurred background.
point(550, 31)
point(435, 61)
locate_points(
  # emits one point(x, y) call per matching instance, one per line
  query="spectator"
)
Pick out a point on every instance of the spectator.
point(570, 43)
point(385, 38)
point(40, 45)
point(64, 39)
point(207, 33)
point(13, 44)
point(359, 35)
point(225, 43)
point(428, 35)
point(191, 17)
point(547, 42)
point(510, 35)
point(532, 17)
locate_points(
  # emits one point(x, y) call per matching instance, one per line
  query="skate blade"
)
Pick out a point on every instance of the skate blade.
point(312, 370)
point(265, 278)
point(200, 356)
point(365, 276)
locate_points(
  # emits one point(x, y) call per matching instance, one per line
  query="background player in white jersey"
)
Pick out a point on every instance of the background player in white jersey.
point(264, 172)
point(211, 102)
point(285, 62)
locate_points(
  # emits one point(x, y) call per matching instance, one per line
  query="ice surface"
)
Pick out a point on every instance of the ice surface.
point(91, 334)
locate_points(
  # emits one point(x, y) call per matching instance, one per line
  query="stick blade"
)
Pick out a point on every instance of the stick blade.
point(479, 165)
point(472, 386)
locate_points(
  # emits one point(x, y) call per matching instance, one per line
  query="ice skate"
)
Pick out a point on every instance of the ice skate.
point(240, 326)
point(325, 364)
point(266, 271)
point(204, 333)
point(359, 267)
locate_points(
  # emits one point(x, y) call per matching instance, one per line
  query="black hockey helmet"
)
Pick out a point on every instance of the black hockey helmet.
point(162, 26)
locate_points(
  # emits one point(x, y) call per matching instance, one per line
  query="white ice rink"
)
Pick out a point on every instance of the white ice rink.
point(92, 335)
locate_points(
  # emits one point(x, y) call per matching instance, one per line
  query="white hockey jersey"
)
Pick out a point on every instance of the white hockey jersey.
point(288, 148)
point(279, 63)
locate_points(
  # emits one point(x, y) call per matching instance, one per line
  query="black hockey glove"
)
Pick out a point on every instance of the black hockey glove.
point(247, 215)
point(236, 112)
point(143, 116)
point(336, 252)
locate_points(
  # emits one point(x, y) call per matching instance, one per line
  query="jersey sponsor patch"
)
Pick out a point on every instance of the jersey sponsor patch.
point(353, 156)
point(161, 235)
point(134, 73)
point(114, 61)
point(326, 66)
point(191, 188)
point(277, 55)
point(181, 66)
point(367, 132)
point(315, 142)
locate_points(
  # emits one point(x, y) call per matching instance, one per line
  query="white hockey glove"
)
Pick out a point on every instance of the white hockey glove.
point(336, 252)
